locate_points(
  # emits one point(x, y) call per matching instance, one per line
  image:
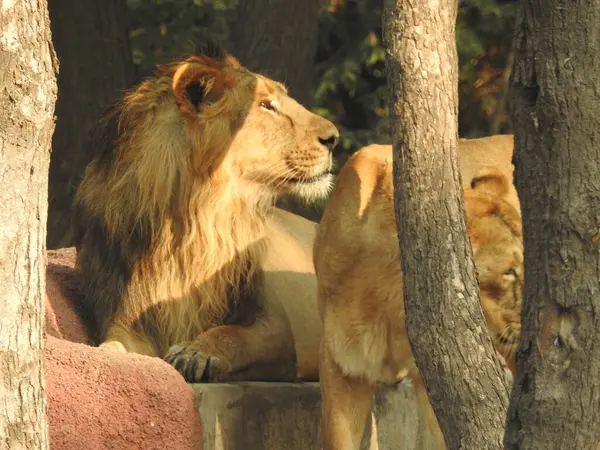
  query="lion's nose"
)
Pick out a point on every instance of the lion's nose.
point(330, 137)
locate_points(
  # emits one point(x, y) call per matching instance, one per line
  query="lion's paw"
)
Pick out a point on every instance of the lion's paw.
point(192, 364)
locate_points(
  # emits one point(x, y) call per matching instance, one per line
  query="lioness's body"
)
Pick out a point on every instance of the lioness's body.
point(474, 154)
point(357, 263)
point(181, 253)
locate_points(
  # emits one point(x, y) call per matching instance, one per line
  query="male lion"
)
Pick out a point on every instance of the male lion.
point(359, 278)
point(175, 223)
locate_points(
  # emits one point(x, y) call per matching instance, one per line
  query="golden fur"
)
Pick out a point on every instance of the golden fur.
point(496, 236)
point(175, 219)
point(359, 278)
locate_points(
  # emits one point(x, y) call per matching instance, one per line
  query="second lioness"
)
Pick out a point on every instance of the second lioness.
point(359, 279)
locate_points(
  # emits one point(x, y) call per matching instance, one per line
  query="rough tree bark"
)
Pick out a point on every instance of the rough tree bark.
point(28, 68)
point(92, 43)
point(279, 38)
point(445, 324)
point(555, 108)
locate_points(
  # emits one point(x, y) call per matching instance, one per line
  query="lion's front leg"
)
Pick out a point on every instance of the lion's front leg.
point(122, 338)
point(263, 351)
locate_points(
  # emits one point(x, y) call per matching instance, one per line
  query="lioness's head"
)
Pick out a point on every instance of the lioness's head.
point(245, 126)
point(497, 240)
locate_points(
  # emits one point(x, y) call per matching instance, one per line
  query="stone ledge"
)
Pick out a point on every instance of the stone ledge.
point(287, 416)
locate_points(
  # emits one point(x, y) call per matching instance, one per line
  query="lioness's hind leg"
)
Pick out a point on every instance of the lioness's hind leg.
point(347, 404)
point(258, 352)
point(123, 339)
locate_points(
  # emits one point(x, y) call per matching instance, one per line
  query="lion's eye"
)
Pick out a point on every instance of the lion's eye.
point(511, 273)
point(266, 104)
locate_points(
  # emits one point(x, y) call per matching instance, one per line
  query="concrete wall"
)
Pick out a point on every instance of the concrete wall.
point(287, 416)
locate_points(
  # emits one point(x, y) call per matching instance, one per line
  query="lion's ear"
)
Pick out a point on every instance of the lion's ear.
point(491, 180)
point(195, 93)
point(232, 61)
point(195, 83)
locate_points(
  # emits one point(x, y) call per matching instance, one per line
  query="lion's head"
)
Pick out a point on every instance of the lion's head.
point(268, 140)
point(185, 171)
point(495, 230)
point(208, 119)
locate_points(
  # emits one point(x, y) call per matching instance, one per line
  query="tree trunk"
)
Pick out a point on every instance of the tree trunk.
point(28, 68)
point(446, 328)
point(92, 44)
point(279, 38)
point(555, 108)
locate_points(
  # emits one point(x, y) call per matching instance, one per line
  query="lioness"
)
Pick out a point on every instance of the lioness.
point(359, 281)
point(176, 225)
point(474, 154)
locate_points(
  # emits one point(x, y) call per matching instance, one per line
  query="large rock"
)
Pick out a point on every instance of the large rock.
point(106, 400)
point(101, 400)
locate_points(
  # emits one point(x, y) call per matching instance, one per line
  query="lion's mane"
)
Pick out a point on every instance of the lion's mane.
point(159, 218)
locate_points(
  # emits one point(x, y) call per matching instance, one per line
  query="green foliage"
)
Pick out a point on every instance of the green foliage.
point(350, 86)
point(351, 89)
point(484, 40)
point(164, 29)
point(351, 82)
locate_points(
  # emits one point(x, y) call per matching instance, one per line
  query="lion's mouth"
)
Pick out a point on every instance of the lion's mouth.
point(309, 188)
point(309, 180)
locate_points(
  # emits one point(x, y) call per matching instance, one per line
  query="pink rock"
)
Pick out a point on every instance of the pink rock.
point(62, 320)
point(99, 399)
